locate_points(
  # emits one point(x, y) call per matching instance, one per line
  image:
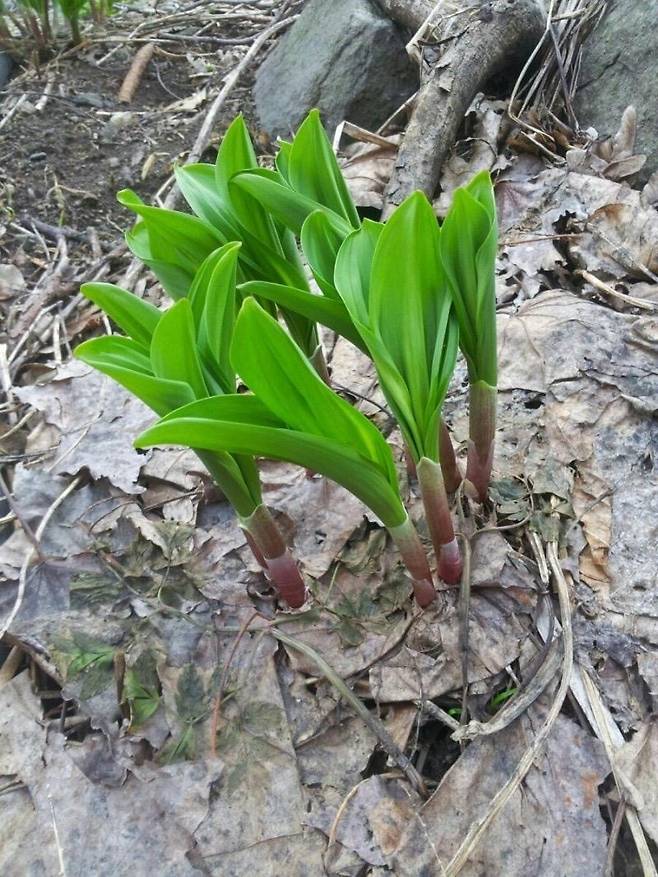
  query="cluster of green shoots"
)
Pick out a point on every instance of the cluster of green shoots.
point(408, 293)
point(33, 21)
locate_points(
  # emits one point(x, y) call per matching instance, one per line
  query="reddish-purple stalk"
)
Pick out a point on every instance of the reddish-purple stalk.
point(270, 550)
point(482, 431)
point(414, 558)
point(452, 476)
point(439, 521)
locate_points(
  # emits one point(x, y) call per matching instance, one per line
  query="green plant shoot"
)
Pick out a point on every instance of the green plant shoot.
point(174, 244)
point(310, 196)
point(468, 253)
point(391, 281)
point(168, 360)
point(293, 416)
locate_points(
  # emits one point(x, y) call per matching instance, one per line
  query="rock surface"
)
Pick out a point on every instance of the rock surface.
point(620, 67)
point(344, 57)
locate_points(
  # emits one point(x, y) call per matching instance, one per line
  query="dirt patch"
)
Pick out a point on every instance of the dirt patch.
point(64, 164)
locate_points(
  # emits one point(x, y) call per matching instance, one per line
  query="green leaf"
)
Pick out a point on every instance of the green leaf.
point(282, 160)
point(468, 252)
point(407, 289)
point(118, 350)
point(259, 260)
point(277, 372)
point(107, 355)
point(174, 355)
point(353, 279)
point(170, 238)
point(320, 244)
point(222, 428)
point(199, 188)
point(288, 206)
point(174, 278)
point(319, 309)
point(212, 298)
point(236, 154)
point(353, 269)
point(410, 312)
point(314, 172)
point(135, 316)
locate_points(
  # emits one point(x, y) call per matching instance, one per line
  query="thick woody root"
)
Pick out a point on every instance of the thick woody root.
point(500, 36)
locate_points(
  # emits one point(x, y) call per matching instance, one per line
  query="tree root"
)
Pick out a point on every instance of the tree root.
point(481, 43)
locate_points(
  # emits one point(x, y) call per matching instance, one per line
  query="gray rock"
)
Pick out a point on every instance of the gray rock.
point(344, 57)
point(620, 67)
point(6, 66)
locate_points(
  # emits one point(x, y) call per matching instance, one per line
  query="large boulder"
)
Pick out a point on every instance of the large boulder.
point(344, 57)
point(620, 67)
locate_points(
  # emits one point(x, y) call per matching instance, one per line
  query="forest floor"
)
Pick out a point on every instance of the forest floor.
point(158, 711)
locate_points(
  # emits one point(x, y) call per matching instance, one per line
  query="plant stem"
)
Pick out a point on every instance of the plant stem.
point(439, 520)
point(74, 24)
point(414, 558)
point(319, 363)
point(270, 550)
point(482, 431)
point(452, 475)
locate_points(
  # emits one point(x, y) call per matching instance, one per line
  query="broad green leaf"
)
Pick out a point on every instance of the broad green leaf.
point(199, 287)
point(390, 279)
point(468, 253)
point(321, 243)
point(240, 407)
point(175, 279)
point(162, 396)
point(353, 269)
point(174, 353)
point(118, 349)
point(236, 154)
point(407, 290)
point(135, 316)
point(318, 308)
point(199, 188)
point(173, 237)
point(288, 206)
point(230, 423)
point(352, 277)
point(282, 160)
point(213, 304)
point(258, 260)
point(314, 172)
point(277, 372)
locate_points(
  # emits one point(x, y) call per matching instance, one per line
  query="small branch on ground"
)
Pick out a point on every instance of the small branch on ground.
point(134, 75)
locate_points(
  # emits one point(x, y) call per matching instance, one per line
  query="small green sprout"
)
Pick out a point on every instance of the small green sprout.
point(168, 360)
point(469, 240)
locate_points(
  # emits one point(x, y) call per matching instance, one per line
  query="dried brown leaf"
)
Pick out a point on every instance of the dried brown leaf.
point(91, 412)
point(552, 823)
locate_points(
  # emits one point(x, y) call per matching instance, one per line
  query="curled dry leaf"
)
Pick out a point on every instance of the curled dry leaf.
point(477, 151)
point(367, 168)
point(501, 603)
